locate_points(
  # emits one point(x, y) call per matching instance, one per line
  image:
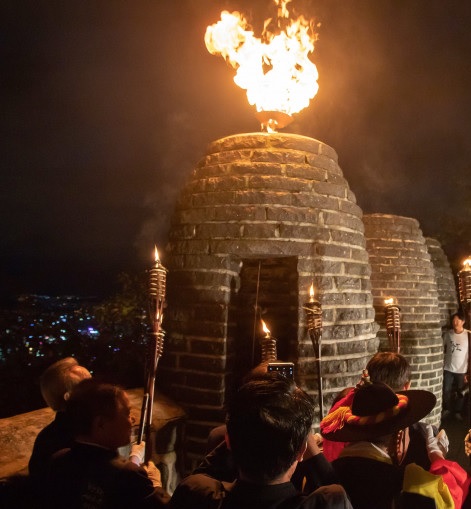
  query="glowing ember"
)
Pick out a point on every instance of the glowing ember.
point(389, 301)
point(275, 69)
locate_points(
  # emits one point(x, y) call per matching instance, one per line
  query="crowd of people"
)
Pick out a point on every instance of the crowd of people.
point(374, 451)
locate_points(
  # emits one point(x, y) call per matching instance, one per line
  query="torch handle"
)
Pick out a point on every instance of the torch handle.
point(145, 427)
point(142, 420)
point(319, 384)
point(313, 311)
point(315, 335)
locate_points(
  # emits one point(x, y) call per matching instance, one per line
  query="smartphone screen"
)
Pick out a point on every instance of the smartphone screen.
point(284, 368)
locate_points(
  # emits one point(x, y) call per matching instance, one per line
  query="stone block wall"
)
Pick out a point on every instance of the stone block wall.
point(272, 209)
point(446, 284)
point(402, 268)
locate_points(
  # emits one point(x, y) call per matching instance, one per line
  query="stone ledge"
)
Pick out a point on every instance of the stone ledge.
point(17, 433)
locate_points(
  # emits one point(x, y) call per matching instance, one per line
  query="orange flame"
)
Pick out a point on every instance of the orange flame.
point(156, 254)
point(266, 330)
point(274, 70)
point(311, 292)
point(467, 264)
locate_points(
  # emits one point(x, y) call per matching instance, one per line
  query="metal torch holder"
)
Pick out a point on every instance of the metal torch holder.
point(393, 327)
point(268, 349)
point(154, 352)
point(313, 311)
point(155, 343)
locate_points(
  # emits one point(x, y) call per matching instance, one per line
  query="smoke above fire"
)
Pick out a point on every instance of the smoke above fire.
point(274, 69)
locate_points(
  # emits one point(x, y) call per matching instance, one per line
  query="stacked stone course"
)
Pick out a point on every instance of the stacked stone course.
point(446, 285)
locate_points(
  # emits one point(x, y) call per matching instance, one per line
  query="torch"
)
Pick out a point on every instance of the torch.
point(268, 344)
point(157, 282)
point(313, 311)
point(464, 277)
point(393, 324)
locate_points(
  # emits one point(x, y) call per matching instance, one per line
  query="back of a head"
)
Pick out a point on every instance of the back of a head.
point(269, 418)
point(59, 379)
point(390, 368)
point(375, 412)
point(88, 400)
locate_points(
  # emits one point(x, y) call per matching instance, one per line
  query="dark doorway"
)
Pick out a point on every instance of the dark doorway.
point(268, 291)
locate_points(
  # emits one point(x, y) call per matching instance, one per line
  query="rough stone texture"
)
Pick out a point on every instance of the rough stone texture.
point(446, 285)
point(18, 433)
point(273, 210)
point(402, 268)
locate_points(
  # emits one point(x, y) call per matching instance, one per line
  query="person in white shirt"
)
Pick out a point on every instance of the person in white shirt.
point(455, 367)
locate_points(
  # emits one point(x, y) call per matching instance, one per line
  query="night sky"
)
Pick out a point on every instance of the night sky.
point(107, 106)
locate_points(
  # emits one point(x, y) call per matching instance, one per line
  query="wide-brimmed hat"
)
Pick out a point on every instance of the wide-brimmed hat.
point(376, 411)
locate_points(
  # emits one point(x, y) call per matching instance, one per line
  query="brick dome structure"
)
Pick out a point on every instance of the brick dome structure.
point(402, 268)
point(261, 218)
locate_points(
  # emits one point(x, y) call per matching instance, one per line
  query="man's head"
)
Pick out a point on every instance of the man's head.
point(457, 322)
point(390, 368)
point(269, 419)
point(59, 379)
point(100, 413)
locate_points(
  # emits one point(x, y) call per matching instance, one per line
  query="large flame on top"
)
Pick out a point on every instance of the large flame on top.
point(274, 69)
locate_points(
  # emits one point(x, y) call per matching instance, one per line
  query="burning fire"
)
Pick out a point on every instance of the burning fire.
point(265, 329)
point(275, 69)
point(311, 292)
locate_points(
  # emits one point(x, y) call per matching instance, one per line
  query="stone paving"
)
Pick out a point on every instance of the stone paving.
point(456, 431)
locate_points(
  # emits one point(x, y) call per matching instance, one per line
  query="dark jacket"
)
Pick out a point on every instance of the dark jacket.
point(54, 437)
point(200, 491)
point(92, 477)
point(370, 484)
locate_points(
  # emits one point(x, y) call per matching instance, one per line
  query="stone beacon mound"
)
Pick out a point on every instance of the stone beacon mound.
point(401, 266)
point(261, 218)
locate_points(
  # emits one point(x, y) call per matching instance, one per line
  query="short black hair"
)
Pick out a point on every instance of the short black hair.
point(88, 400)
point(269, 419)
point(459, 314)
point(390, 368)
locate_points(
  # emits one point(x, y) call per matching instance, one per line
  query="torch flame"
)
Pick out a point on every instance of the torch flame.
point(389, 301)
point(467, 264)
point(311, 292)
point(266, 330)
point(156, 254)
point(275, 69)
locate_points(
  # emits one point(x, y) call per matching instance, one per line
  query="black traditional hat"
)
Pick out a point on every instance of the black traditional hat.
point(375, 411)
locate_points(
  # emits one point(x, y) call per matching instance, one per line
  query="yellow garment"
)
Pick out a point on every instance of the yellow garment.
point(417, 480)
point(365, 450)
